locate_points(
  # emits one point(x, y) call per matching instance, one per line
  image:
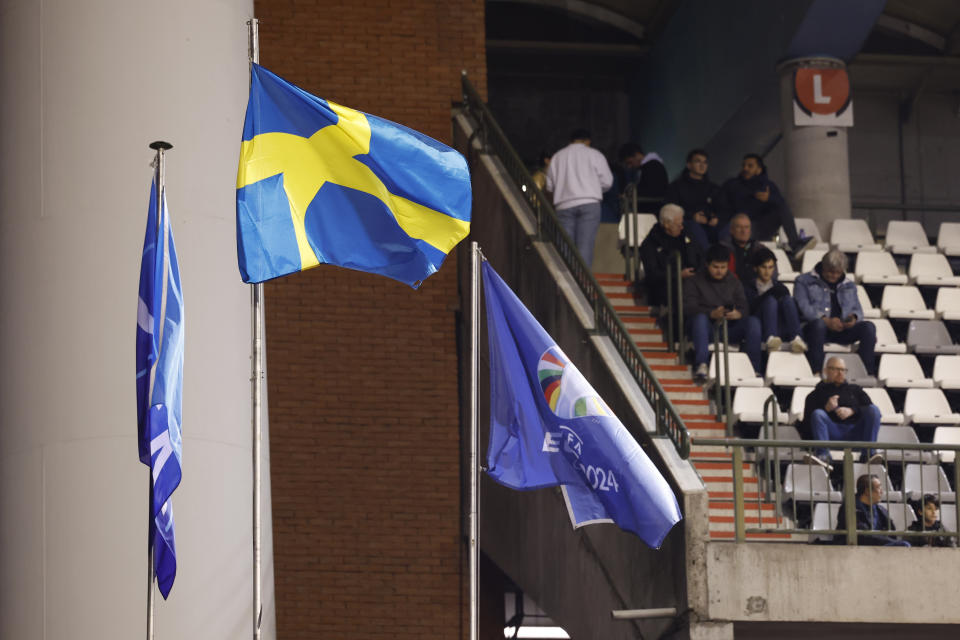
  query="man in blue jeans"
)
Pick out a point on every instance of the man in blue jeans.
point(577, 176)
point(829, 306)
point(710, 296)
point(839, 410)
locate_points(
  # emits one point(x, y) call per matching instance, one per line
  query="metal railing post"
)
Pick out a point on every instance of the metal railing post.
point(670, 307)
point(726, 379)
point(738, 509)
point(849, 508)
point(682, 352)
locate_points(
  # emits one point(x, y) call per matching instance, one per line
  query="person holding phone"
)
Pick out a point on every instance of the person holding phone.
point(710, 296)
point(831, 311)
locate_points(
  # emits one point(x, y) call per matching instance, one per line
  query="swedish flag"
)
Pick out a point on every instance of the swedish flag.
point(323, 184)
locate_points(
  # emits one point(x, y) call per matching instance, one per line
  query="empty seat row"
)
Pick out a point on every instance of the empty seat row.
point(811, 483)
point(902, 237)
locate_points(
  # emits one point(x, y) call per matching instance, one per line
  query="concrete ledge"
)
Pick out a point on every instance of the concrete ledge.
point(788, 582)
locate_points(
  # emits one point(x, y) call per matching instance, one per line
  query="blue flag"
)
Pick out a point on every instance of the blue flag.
point(320, 183)
point(160, 355)
point(548, 427)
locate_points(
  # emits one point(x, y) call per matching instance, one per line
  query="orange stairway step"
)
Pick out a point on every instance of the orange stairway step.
point(749, 520)
point(765, 506)
point(753, 536)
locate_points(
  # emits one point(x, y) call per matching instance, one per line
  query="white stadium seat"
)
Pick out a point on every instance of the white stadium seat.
point(887, 340)
point(798, 402)
point(932, 270)
point(947, 435)
point(948, 238)
point(785, 271)
point(900, 435)
point(889, 493)
point(905, 302)
point(902, 371)
point(741, 371)
point(929, 406)
point(634, 228)
point(880, 397)
point(811, 258)
point(806, 482)
point(789, 370)
point(869, 311)
point(919, 479)
point(877, 267)
point(907, 236)
point(946, 372)
point(948, 304)
point(852, 236)
point(748, 404)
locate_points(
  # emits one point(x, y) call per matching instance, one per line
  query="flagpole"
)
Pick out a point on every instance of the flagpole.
point(474, 440)
point(256, 303)
point(159, 146)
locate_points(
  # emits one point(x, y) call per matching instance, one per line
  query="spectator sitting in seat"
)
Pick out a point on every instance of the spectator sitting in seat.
point(694, 191)
point(657, 251)
point(770, 301)
point(710, 296)
point(829, 306)
point(839, 410)
point(742, 247)
point(753, 193)
point(871, 515)
point(930, 521)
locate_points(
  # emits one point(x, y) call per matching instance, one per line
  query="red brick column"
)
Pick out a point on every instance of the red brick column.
point(363, 387)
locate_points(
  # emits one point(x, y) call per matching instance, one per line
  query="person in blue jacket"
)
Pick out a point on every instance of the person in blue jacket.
point(831, 311)
point(756, 195)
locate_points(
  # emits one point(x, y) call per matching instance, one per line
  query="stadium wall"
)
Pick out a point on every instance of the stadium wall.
point(363, 383)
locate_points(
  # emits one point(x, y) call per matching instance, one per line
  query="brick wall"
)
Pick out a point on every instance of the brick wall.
point(363, 391)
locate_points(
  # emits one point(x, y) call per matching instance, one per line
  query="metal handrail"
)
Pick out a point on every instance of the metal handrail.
point(493, 140)
point(739, 444)
point(771, 404)
point(722, 389)
point(675, 306)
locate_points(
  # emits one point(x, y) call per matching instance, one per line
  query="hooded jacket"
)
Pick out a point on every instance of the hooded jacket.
point(655, 252)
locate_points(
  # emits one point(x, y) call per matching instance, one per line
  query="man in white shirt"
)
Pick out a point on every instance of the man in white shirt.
point(577, 177)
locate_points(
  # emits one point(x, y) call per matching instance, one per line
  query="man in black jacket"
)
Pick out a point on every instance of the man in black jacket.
point(839, 410)
point(694, 191)
point(658, 248)
point(754, 194)
point(742, 247)
point(871, 516)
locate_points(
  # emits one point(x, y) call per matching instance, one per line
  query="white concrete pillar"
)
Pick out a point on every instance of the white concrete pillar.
point(85, 87)
point(817, 183)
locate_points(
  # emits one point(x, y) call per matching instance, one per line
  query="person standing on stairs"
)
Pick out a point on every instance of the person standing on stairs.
point(710, 296)
point(577, 177)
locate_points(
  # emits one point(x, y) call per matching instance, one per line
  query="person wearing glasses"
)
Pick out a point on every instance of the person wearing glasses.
point(839, 410)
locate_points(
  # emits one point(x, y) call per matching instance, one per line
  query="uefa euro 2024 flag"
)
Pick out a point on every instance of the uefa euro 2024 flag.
point(548, 427)
point(160, 352)
point(320, 183)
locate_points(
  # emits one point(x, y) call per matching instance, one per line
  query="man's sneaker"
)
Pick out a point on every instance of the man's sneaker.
point(876, 458)
point(773, 343)
point(801, 246)
point(797, 345)
point(700, 375)
point(812, 459)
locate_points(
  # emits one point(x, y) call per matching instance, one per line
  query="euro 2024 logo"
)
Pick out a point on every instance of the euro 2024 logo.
point(569, 395)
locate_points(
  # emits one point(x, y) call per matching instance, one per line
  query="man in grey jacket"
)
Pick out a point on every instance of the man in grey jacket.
point(829, 306)
point(710, 296)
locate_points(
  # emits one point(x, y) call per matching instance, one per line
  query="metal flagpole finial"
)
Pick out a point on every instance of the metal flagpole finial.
point(160, 145)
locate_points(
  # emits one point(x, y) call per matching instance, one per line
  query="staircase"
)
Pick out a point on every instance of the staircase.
point(714, 464)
